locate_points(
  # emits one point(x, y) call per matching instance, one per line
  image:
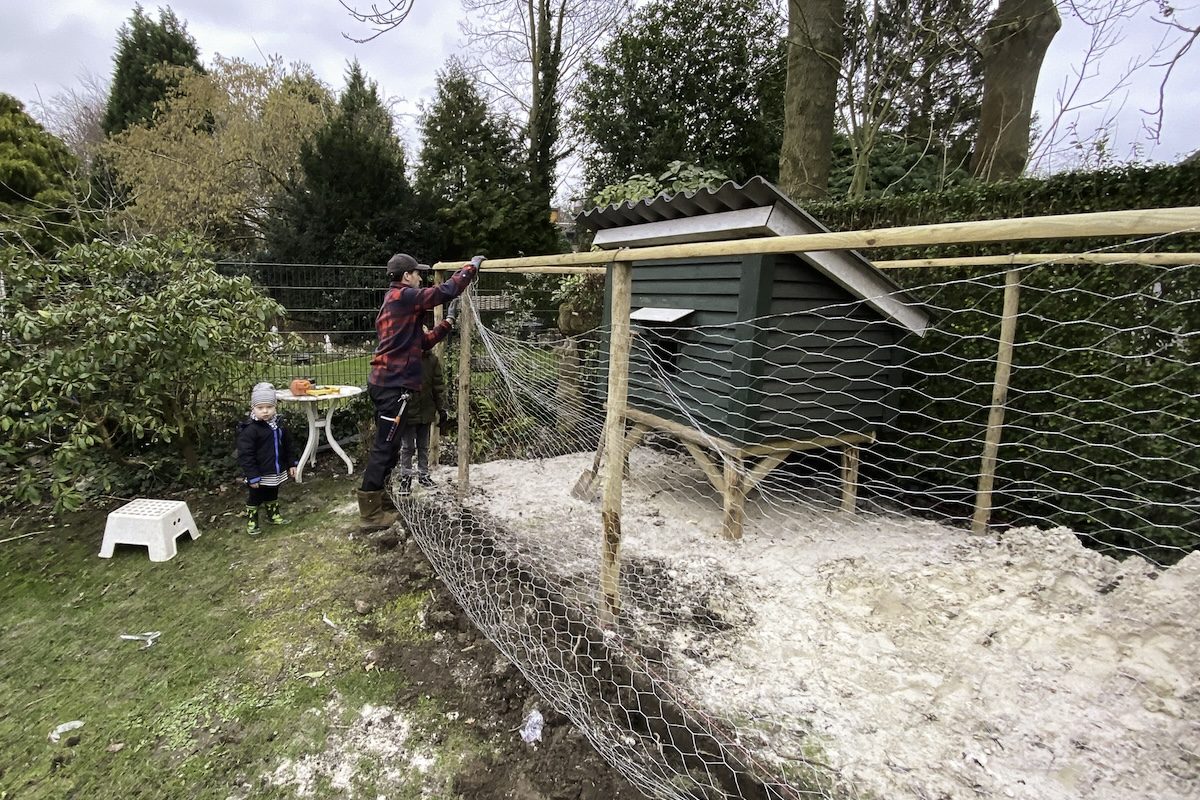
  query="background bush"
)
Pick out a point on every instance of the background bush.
point(115, 360)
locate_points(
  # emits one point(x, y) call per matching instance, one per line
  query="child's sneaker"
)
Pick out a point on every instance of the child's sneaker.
point(273, 515)
point(251, 515)
point(425, 481)
point(405, 486)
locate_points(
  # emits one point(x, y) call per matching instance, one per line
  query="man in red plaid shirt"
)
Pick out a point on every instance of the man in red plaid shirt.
point(396, 369)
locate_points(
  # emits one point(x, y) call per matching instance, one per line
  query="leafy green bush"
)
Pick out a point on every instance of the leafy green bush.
point(115, 358)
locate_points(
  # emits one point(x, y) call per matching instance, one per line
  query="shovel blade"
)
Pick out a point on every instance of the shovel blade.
point(585, 487)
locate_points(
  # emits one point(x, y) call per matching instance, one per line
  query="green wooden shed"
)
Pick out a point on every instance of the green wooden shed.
point(763, 354)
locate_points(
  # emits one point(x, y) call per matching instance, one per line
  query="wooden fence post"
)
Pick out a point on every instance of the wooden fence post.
point(991, 444)
point(614, 433)
point(464, 397)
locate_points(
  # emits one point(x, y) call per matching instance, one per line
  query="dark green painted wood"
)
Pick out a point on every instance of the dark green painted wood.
point(683, 288)
point(754, 297)
point(717, 267)
point(773, 349)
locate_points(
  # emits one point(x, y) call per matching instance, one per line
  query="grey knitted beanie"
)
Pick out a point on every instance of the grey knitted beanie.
point(262, 393)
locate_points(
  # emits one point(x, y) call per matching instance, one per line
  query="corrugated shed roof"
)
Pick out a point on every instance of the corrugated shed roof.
point(845, 267)
point(729, 196)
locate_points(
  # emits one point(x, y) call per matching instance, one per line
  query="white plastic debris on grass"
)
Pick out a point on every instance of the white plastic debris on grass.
point(66, 727)
point(148, 638)
point(531, 731)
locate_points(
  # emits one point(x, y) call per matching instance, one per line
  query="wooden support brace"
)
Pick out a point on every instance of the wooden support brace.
point(682, 432)
point(815, 443)
point(735, 498)
point(710, 470)
point(764, 467)
point(635, 435)
point(850, 460)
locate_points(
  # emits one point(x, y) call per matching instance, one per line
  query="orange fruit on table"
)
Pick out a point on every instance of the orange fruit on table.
point(300, 386)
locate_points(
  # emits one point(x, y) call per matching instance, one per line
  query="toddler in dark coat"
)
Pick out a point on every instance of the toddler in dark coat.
point(264, 449)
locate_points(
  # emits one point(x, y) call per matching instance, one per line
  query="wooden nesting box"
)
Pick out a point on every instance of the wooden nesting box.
point(760, 355)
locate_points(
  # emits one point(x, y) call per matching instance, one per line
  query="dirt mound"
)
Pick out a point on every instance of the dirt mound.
point(461, 668)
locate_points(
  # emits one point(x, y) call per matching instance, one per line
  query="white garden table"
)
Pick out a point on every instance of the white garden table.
point(312, 405)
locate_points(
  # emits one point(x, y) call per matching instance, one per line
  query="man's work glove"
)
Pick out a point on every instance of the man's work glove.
point(443, 423)
point(476, 261)
point(452, 311)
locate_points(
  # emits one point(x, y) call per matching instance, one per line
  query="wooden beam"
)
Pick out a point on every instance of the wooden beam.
point(991, 444)
point(710, 470)
point(1048, 260)
point(464, 397)
point(614, 432)
point(553, 270)
point(734, 521)
point(764, 467)
point(1136, 222)
point(850, 461)
point(631, 440)
point(815, 443)
point(684, 433)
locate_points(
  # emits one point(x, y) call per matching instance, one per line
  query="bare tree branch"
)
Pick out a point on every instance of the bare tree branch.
point(1181, 49)
point(383, 19)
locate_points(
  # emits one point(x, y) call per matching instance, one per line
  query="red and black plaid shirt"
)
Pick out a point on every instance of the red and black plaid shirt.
point(397, 360)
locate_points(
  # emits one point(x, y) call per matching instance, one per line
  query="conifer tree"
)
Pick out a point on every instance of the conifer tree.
point(472, 179)
point(36, 175)
point(138, 84)
point(352, 203)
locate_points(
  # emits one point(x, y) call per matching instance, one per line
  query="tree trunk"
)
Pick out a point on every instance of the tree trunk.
point(543, 129)
point(1013, 47)
point(814, 60)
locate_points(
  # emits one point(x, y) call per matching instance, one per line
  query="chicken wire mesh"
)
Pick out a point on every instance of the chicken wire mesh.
point(846, 635)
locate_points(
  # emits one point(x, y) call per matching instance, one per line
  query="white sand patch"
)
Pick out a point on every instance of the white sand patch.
point(377, 739)
point(347, 508)
point(925, 662)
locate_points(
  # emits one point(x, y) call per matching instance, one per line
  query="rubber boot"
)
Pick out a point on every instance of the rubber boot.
point(372, 515)
point(273, 515)
point(251, 515)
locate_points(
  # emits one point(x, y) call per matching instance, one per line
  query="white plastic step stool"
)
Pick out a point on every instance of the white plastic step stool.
point(154, 524)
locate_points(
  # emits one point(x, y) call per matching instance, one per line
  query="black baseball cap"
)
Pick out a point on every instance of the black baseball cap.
point(403, 262)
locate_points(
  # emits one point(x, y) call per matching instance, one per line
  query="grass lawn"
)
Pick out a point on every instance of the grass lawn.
point(264, 664)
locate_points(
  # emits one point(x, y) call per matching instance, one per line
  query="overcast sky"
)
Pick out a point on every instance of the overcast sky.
point(46, 46)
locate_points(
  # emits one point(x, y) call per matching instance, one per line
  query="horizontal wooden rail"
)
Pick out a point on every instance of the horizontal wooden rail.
point(1047, 259)
point(1138, 222)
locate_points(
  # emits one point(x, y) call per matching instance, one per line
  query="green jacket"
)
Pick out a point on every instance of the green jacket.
point(424, 405)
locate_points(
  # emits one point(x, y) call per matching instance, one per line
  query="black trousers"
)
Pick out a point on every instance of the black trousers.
point(384, 454)
point(263, 494)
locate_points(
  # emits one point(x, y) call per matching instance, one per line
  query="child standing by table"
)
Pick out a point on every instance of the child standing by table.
point(264, 449)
